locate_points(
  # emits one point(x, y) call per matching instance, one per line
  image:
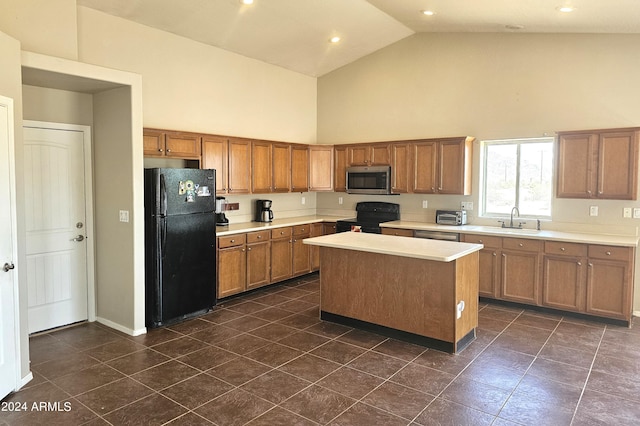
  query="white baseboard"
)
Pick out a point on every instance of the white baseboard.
point(26, 379)
point(636, 313)
point(116, 326)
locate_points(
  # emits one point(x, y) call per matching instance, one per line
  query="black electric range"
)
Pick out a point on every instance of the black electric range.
point(370, 214)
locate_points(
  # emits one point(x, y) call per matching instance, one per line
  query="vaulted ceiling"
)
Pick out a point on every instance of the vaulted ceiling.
point(295, 34)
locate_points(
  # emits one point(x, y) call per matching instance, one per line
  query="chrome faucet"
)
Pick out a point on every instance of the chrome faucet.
point(517, 212)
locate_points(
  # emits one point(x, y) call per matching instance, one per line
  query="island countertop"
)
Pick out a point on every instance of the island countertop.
point(440, 251)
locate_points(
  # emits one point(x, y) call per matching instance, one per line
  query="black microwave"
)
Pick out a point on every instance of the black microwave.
point(369, 180)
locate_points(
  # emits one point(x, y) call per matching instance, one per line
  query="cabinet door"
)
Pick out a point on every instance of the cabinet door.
point(301, 256)
point(379, 155)
point(321, 168)
point(520, 276)
point(424, 158)
point(214, 156)
point(340, 169)
point(358, 155)
point(608, 288)
point(182, 145)
point(300, 168)
point(258, 264)
point(576, 165)
point(153, 143)
point(232, 267)
point(329, 228)
point(317, 229)
point(261, 167)
point(618, 165)
point(489, 272)
point(281, 262)
point(239, 166)
point(454, 174)
point(281, 167)
point(400, 168)
point(563, 283)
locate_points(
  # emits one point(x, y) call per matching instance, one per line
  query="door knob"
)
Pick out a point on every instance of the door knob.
point(78, 238)
point(8, 266)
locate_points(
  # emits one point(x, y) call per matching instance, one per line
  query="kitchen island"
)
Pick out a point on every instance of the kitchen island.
point(421, 291)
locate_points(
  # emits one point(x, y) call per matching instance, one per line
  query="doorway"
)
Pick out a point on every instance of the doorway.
point(59, 225)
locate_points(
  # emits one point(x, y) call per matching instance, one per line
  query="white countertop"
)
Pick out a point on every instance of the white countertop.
point(574, 237)
point(440, 251)
point(237, 228)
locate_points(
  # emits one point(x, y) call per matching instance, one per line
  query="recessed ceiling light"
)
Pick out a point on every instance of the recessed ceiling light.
point(515, 27)
point(246, 1)
point(334, 39)
point(566, 9)
point(428, 12)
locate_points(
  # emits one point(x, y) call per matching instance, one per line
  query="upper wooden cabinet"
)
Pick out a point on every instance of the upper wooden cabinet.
point(369, 155)
point(261, 167)
point(321, 168)
point(281, 167)
point(400, 168)
point(340, 169)
point(300, 163)
point(159, 143)
point(239, 174)
point(215, 156)
point(598, 164)
point(442, 166)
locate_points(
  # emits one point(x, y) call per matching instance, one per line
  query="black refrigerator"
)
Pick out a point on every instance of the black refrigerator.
point(180, 244)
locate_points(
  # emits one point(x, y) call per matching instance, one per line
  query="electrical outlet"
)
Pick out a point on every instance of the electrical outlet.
point(626, 212)
point(124, 215)
point(303, 200)
point(425, 203)
point(340, 200)
point(466, 205)
point(636, 213)
point(593, 211)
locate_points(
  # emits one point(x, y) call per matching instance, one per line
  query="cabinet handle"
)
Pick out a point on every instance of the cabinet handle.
point(579, 263)
point(608, 253)
point(243, 250)
point(259, 237)
point(233, 241)
point(248, 249)
point(590, 264)
point(504, 255)
point(168, 150)
point(160, 150)
point(589, 192)
point(439, 188)
point(494, 253)
point(521, 245)
point(562, 249)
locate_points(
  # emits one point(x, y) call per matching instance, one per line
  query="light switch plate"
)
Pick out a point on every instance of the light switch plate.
point(425, 203)
point(636, 213)
point(340, 200)
point(124, 215)
point(593, 211)
point(626, 212)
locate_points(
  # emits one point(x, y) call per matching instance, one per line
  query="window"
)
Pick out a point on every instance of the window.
point(517, 173)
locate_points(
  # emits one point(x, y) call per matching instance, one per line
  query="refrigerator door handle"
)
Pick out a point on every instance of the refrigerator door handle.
point(163, 235)
point(163, 197)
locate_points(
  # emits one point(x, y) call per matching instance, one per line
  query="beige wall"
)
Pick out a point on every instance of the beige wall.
point(194, 87)
point(57, 106)
point(491, 86)
point(42, 26)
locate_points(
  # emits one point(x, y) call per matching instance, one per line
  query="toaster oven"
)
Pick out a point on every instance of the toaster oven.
point(451, 217)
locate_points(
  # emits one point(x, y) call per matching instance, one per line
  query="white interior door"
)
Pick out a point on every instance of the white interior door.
point(8, 279)
point(56, 243)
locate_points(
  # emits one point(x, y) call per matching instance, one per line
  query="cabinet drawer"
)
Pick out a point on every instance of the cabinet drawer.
point(329, 228)
point(302, 229)
point(257, 237)
point(565, 249)
point(281, 232)
point(398, 232)
point(522, 244)
point(231, 240)
point(488, 241)
point(610, 252)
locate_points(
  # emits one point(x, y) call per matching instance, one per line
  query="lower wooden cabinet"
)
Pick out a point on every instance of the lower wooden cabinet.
point(232, 265)
point(564, 276)
point(281, 254)
point(317, 229)
point(609, 281)
point(301, 252)
point(489, 264)
point(258, 259)
point(520, 270)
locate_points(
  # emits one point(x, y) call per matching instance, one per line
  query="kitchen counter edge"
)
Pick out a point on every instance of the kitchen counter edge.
point(239, 228)
point(573, 237)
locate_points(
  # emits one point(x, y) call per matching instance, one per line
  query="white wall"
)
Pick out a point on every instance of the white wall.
point(195, 87)
point(57, 106)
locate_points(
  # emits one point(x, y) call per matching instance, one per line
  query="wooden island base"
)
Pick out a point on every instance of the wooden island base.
point(406, 298)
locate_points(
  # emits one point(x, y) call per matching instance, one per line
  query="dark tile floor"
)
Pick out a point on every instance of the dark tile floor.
point(266, 359)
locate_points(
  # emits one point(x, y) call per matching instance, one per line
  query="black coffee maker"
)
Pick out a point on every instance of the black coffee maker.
point(263, 211)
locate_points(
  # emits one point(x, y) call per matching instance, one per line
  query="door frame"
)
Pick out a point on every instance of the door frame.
point(88, 190)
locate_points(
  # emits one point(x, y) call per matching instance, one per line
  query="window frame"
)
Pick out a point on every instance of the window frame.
point(483, 175)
